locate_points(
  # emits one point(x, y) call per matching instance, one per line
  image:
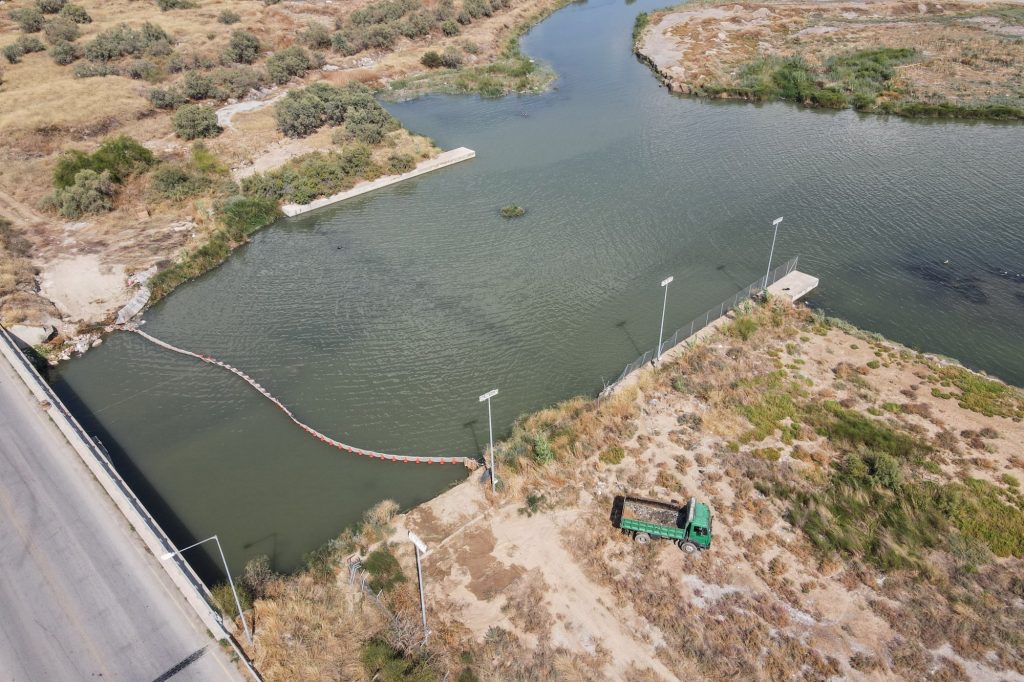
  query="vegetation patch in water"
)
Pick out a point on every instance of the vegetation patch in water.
point(512, 211)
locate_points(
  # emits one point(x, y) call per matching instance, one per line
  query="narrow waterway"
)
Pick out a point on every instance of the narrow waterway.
point(380, 321)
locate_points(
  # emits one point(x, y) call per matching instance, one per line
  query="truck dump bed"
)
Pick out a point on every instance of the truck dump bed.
point(650, 511)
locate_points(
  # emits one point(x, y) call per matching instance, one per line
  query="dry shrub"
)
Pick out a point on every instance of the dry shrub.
point(524, 604)
point(304, 630)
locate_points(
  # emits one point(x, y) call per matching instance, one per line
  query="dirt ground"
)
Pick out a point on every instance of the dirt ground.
point(560, 578)
point(970, 51)
point(44, 111)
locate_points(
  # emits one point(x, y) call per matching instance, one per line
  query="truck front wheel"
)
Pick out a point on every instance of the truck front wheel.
point(642, 538)
point(687, 547)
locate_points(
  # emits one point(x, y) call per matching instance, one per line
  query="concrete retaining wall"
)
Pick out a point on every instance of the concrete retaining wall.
point(179, 571)
point(440, 161)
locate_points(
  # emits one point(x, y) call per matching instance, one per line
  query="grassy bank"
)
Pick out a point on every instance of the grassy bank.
point(511, 72)
point(836, 463)
point(936, 62)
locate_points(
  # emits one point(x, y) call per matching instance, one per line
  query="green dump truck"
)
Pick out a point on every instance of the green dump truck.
point(689, 526)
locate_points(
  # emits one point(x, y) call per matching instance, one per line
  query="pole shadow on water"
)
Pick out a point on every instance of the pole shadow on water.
point(273, 547)
point(471, 425)
point(621, 326)
point(207, 570)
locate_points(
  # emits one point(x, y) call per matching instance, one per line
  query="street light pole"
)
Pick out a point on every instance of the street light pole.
point(661, 330)
point(771, 253)
point(421, 548)
point(490, 433)
point(231, 582)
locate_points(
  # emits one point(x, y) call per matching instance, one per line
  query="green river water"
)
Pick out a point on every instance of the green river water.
point(380, 320)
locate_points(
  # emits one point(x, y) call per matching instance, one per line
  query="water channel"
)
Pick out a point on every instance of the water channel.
point(379, 321)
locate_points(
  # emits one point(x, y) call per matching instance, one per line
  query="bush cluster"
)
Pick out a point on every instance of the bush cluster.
point(449, 59)
point(50, 6)
point(314, 175)
point(316, 36)
point(229, 17)
point(123, 41)
point(75, 13)
point(182, 180)
point(29, 19)
point(90, 192)
point(61, 29)
point(64, 53)
point(193, 121)
point(288, 63)
point(400, 163)
point(119, 157)
point(243, 47)
point(165, 5)
point(91, 70)
point(219, 84)
point(22, 46)
point(304, 111)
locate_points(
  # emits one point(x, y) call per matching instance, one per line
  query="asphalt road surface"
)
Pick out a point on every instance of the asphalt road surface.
point(80, 596)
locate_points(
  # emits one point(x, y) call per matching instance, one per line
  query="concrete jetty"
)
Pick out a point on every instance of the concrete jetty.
point(442, 160)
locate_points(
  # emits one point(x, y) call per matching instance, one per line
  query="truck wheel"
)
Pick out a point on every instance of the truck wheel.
point(687, 547)
point(642, 538)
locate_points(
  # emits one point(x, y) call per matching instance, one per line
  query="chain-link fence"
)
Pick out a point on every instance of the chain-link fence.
point(702, 321)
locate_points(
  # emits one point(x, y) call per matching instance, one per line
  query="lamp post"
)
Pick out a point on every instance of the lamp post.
point(775, 223)
point(421, 548)
point(664, 303)
point(231, 582)
point(490, 433)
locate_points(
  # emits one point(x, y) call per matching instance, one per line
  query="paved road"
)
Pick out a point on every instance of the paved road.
point(80, 597)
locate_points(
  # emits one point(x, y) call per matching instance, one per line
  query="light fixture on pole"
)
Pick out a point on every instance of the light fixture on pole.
point(231, 582)
point(661, 330)
point(490, 433)
point(421, 548)
point(775, 224)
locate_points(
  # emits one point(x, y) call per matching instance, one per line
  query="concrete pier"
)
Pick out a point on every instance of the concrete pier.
point(794, 286)
point(443, 159)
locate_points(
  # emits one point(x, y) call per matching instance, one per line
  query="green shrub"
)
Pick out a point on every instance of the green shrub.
point(197, 86)
point(874, 364)
point(744, 327)
point(237, 81)
point(400, 163)
point(288, 63)
point(450, 28)
point(614, 454)
point(384, 569)
point(381, 36)
point(192, 121)
point(477, 8)
point(431, 59)
point(64, 53)
point(512, 211)
point(417, 24)
point(165, 5)
point(229, 17)
point(84, 70)
point(141, 69)
point(848, 428)
point(50, 6)
point(316, 36)
point(311, 176)
point(61, 29)
point(91, 192)
point(382, 12)
point(977, 509)
point(13, 53)
point(1010, 480)
point(29, 19)
point(244, 215)
point(169, 98)
point(122, 40)
point(369, 125)
point(171, 181)
point(542, 451)
point(243, 47)
point(639, 24)
point(450, 59)
point(120, 157)
point(384, 663)
point(76, 13)
point(299, 113)
point(224, 599)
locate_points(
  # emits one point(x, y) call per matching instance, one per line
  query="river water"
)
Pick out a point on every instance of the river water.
point(379, 321)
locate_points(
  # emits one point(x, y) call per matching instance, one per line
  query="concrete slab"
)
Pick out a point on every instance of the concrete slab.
point(794, 286)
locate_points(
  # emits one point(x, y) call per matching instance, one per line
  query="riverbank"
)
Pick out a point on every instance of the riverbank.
point(959, 60)
point(867, 523)
point(235, 57)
